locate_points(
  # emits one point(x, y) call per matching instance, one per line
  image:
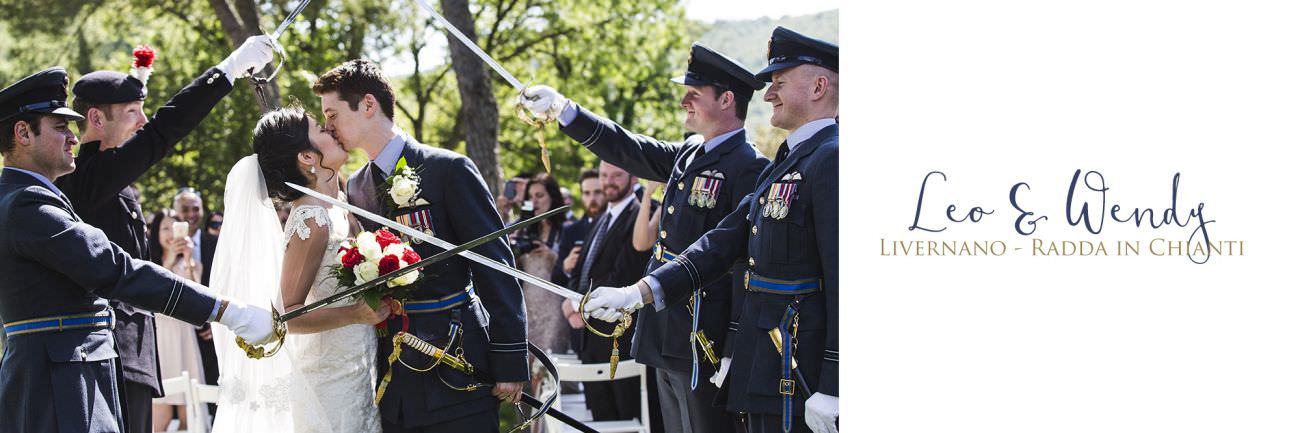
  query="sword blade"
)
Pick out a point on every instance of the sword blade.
point(449, 253)
point(472, 46)
point(284, 25)
point(476, 257)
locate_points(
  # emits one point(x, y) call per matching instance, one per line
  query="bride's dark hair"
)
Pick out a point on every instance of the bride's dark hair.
point(279, 137)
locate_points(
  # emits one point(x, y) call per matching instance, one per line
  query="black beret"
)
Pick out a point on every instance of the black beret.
point(788, 49)
point(108, 87)
point(710, 68)
point(43, 92)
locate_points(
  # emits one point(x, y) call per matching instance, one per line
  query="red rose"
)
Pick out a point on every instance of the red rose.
point(389, 263)
point(352, 257)
point(385, 239)
point(410, 256)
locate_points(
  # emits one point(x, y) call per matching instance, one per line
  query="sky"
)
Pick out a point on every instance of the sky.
point(713, 10)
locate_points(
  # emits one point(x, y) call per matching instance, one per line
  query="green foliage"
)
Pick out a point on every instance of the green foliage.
point(611, 56)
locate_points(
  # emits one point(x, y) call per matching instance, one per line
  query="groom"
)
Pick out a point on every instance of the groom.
point(452, 203)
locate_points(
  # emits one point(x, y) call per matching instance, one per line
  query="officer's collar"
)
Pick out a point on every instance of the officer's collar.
point(806, 131)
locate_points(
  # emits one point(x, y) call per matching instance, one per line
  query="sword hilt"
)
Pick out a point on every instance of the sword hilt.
point(707, 346)
point(255, 351)
point(775, 333)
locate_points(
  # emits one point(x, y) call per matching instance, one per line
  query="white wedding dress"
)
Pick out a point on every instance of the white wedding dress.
point(320, 382)
point(338, 363)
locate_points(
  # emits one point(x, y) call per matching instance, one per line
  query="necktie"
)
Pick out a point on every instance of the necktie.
point(783, 152)
point(602, 227)
point(371, 178)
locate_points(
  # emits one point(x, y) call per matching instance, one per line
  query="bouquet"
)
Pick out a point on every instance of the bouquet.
point(371, 255)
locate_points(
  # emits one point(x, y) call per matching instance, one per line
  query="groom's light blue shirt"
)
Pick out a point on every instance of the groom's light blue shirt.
point(387, 159)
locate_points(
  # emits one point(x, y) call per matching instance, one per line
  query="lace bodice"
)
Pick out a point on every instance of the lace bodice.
point(336, 224)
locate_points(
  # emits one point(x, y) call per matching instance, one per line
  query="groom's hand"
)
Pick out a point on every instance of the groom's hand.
point(509, 391)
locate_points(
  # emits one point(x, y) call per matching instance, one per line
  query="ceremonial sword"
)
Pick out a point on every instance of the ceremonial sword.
point(537, 122)
point(259, 82)
point(472, 46)
point(452, 251)
point(476, 257)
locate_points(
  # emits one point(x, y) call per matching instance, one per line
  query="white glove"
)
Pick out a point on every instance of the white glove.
point(820, 412)
point(721, 375)
point(253, 324)
point(254, 54)
point(606, 302)
point(543, 101)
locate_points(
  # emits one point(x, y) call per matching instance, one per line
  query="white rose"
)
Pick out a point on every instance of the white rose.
point(395, 250)
point(366, 271)
point(405, 279)
point(369, 246)
point(402, 191)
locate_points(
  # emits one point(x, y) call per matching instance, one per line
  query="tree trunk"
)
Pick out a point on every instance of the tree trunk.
point(478, 107)
point(239, 24)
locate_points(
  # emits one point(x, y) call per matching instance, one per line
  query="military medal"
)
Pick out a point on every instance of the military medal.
point(420, 220)
point(705, 189)
point(780, 195)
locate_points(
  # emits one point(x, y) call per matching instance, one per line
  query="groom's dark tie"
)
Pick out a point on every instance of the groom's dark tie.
point(371, 178)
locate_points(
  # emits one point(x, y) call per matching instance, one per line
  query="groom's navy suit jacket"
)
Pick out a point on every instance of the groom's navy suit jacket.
point(54, 264)
point(495, 329)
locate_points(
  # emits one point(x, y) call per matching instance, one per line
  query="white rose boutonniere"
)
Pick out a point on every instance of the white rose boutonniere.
point(404, 186)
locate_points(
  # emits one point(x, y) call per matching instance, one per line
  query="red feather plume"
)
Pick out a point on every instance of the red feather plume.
point(143, 56)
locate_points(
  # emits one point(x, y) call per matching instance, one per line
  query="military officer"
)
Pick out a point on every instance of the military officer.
point(707, 176)
point(118, 144)
point(60, 370)
point(786, 233)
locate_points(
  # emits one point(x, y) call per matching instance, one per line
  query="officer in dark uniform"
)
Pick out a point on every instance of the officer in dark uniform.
point(786, 233)
point(60, 371)
point(118, 145)
point(707, 177)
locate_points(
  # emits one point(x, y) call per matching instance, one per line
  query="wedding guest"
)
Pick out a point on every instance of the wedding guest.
point(214, 223)
point(188, 207)
point(178, 346)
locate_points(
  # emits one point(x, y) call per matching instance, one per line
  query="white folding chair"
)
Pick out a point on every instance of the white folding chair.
point(571, 370)
point(203, 394)
point(180, 385)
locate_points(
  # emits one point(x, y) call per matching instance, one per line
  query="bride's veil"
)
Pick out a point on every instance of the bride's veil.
point(256, 394)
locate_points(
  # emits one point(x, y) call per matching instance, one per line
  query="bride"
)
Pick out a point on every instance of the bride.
point(325, 379)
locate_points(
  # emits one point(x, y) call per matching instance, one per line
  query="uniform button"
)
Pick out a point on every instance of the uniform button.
point(663, 234)
point(670, 210)
point(681, 185)
point(134, 215)
point(754, 229)
point(761, 200)
point(83, 354)
point(751, 262)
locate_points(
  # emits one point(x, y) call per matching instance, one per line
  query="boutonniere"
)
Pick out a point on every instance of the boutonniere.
point(403, 187)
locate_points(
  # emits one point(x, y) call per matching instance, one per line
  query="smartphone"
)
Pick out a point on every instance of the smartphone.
point(510, 190)
point(180, 229)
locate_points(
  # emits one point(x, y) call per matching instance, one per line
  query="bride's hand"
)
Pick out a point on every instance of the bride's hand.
point(367, 316)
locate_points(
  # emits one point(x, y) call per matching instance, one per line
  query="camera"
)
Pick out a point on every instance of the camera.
point(524, 239)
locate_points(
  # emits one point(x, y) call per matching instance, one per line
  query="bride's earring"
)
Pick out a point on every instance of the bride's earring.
point(313, 169)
